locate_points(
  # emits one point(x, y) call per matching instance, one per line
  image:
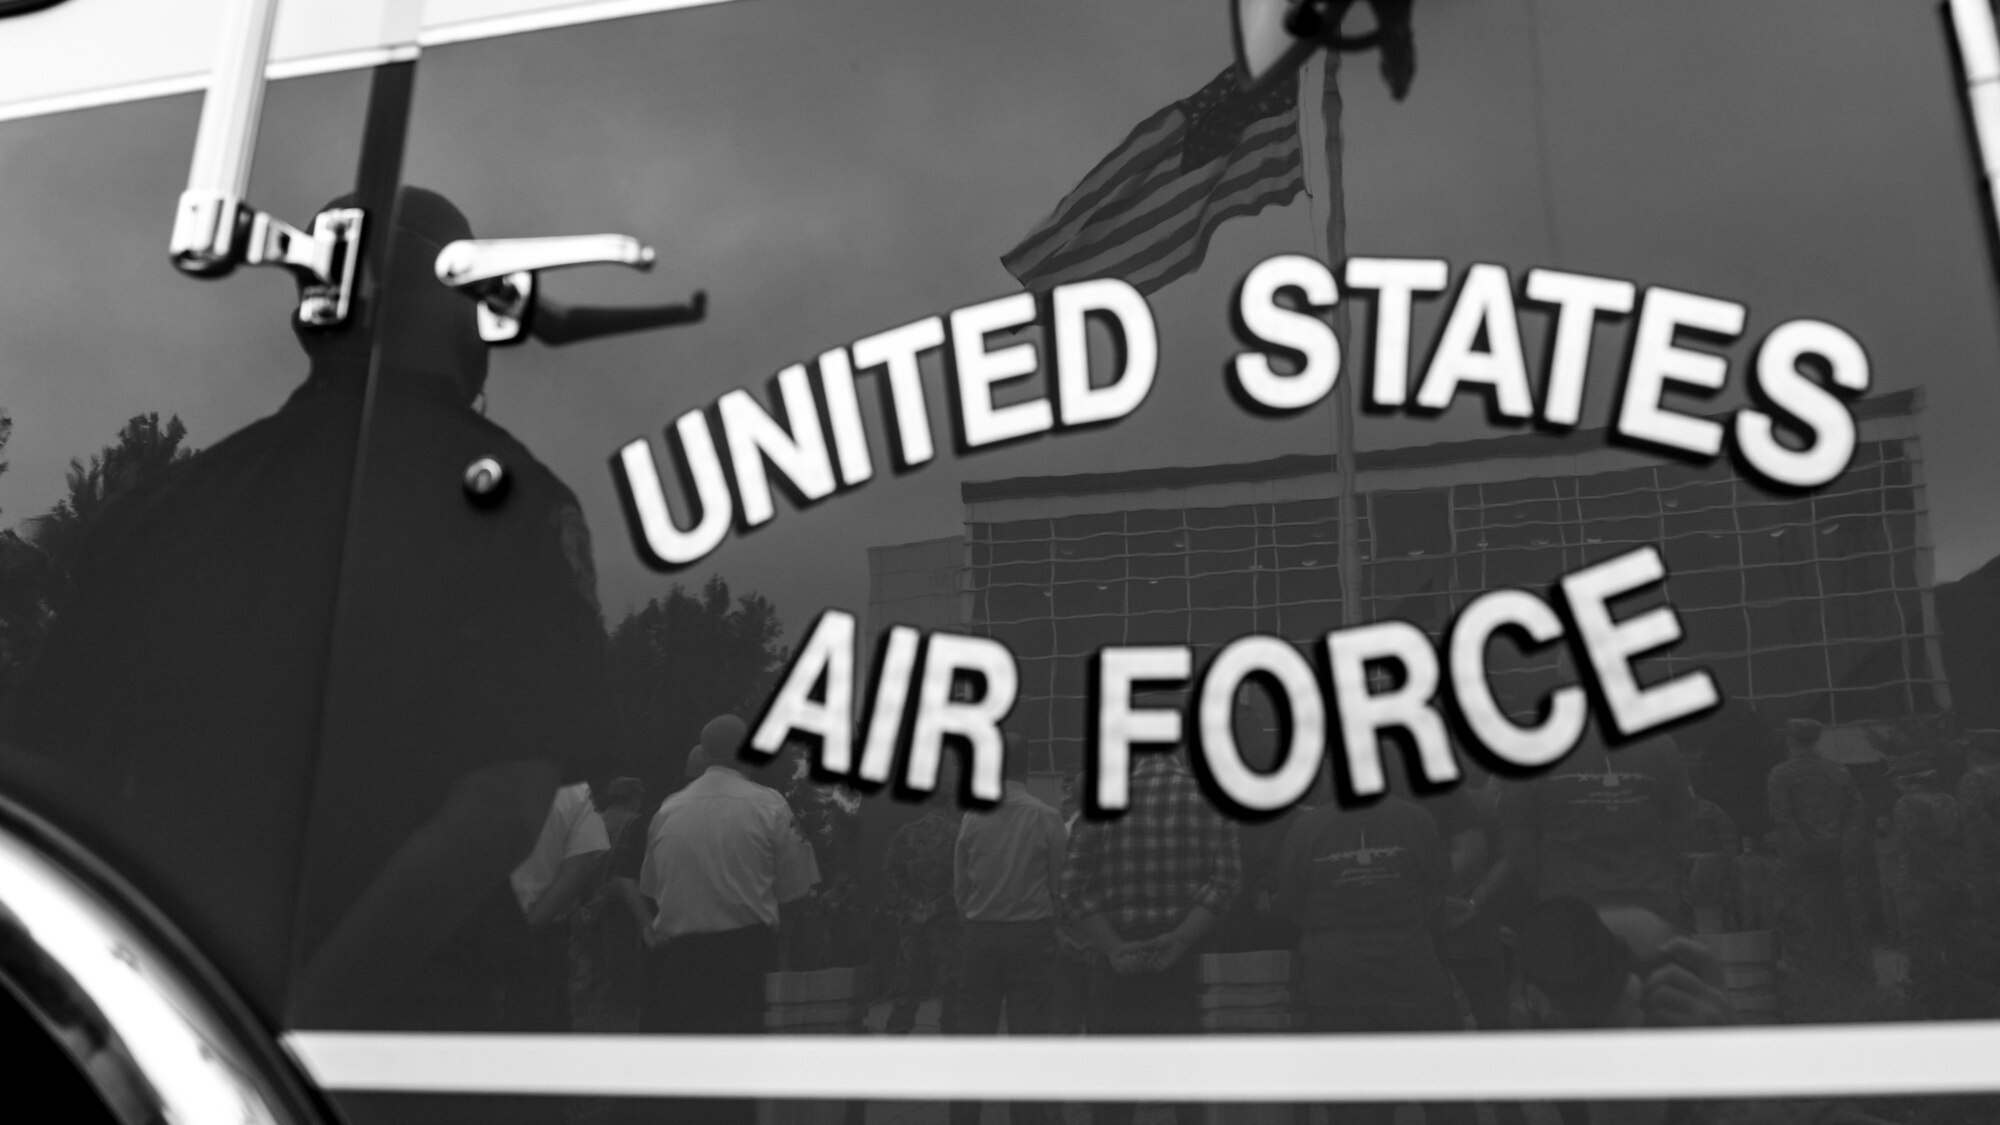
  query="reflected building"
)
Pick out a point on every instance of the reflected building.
point(920, 584)
point(1815, 604)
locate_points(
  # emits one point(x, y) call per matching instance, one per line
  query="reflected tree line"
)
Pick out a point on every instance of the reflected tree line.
point(673, 663)
point(38, 553)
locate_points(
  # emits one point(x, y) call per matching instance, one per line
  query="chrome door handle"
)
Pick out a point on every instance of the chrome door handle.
point(473, 260)
point(499, 273)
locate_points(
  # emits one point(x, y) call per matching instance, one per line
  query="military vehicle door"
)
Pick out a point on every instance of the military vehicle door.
point(567, 556)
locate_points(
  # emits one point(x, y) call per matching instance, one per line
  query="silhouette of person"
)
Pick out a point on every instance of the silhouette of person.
point(315, 702)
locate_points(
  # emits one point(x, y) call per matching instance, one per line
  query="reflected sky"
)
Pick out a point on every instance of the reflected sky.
point(827, 171)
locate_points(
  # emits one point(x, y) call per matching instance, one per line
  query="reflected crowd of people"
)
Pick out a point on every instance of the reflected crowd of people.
point(1634, 886)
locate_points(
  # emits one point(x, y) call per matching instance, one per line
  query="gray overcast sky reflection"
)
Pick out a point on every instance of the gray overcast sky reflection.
point(826, 171)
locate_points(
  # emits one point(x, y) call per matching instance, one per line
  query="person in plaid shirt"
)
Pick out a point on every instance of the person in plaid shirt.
point(1144, 888)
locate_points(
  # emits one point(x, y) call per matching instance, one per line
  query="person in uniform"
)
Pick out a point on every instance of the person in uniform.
point(1367, 888)
point(1979, 802)
point(1006, 877)
point(1607, 827)
point(466, 679)
point(1926, 855)
point(920, 908)
point(1071, 986)
point(1475, 900)
point(312, 626)
point(605, 941)
point(1713, 886)
point(1976, 950)
point(1818, 823)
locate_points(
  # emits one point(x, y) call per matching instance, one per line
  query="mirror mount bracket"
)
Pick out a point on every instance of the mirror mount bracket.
point(215, 232)
point(505, 304)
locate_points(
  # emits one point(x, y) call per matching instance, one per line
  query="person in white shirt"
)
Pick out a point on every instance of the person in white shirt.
point(564, 865)
point(573, 841)
point(722, 857)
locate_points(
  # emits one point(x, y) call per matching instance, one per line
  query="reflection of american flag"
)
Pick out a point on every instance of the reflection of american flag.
point(1146, 212)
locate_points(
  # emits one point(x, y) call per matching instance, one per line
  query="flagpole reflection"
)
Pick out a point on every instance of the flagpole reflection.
point(1319, 141)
